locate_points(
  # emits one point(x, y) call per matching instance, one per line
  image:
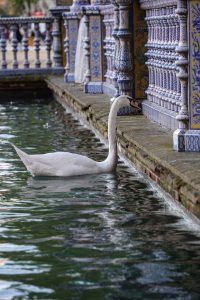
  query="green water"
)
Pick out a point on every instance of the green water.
point(106, 236)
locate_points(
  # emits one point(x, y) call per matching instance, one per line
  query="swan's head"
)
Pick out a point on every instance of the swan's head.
point(123, 100)
point(126, 100)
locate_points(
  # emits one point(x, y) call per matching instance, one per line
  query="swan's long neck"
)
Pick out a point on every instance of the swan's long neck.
point(112, 120)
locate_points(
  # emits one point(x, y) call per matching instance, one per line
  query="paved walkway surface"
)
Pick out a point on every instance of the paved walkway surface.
point(145, 143)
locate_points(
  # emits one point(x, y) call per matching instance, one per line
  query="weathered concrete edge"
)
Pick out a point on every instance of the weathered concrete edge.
point(167, 177)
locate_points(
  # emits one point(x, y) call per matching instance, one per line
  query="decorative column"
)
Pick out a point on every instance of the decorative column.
point(124, 59)
point(192, 136)
point(182, 64)
point(95, 63)
point(116, 49)
point(108, 47)
point(56, 34)
point(71, 22)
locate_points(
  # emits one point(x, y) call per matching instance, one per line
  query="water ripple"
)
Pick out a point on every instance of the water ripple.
point(105, 236)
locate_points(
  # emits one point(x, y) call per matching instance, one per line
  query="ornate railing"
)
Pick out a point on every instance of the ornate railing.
point(164, 90)
point(27, 45)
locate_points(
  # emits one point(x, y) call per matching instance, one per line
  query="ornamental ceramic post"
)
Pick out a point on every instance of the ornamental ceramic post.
point(182, 64)
point(56, 33)
point(192, 136)
point(125, 79)
point(116, 49)
point(95, 85)
point(71, 22)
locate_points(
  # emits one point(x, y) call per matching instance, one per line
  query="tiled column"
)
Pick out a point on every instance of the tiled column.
point(56, 33)
point(182, 64)
point(108, 49)
point(192, 136)
point(71, 22)
point(94, 82)
point(124, 59)
point(116, 49)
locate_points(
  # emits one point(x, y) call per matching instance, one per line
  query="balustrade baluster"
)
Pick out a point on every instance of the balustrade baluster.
point(48, 42)
point(3, 43)
point(14, 42)
point(37, 45)
point(57, 56)
point(66, 48)
point(25, 45)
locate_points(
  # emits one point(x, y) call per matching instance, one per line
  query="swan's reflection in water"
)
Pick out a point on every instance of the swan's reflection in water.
point(94, 198)
point(67, 184)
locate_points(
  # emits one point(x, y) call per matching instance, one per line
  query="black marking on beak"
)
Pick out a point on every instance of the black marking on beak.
point(134, 103)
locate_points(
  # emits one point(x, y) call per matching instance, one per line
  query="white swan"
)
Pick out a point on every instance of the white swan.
point(72, 164)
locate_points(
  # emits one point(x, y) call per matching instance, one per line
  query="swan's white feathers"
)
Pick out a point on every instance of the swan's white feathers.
point(72, 164)
point(57, 163)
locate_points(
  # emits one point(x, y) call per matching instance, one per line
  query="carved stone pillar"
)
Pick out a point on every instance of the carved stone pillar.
point(56, 33)
point(192, 136)
point(124, 59)
point(71, 22)
point(116, 50)
point(95, 62)
point(182, 64)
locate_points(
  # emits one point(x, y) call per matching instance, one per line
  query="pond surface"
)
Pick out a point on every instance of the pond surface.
point(107, 236)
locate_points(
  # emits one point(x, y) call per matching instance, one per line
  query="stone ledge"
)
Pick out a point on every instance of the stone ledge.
point(143, 142)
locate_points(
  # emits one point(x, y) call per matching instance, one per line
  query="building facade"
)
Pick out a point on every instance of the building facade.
point(149, 49)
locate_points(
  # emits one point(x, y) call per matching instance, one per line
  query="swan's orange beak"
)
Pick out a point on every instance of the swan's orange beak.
point(134, 103)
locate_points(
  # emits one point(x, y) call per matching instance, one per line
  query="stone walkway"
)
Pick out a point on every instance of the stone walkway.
point(144, 143)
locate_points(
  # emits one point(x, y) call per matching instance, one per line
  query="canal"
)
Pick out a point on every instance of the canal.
point(105, 236)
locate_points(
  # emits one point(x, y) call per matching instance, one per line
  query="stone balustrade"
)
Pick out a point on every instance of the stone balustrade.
point(26, 45)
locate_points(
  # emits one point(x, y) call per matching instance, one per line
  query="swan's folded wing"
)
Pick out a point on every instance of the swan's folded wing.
point(40, 169)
